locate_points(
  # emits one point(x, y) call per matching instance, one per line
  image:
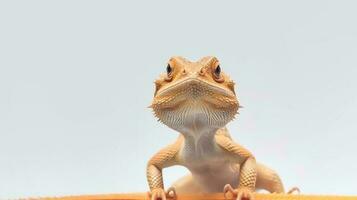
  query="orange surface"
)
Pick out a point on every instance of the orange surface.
point(219, 196)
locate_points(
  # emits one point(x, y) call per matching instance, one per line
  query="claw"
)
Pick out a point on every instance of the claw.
point(171, 192)
point(240, 193)
point(239, 197)
point(294, 189)
point(153, 197)
point(228, 188)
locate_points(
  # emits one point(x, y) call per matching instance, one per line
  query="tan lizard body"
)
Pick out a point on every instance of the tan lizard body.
point(198, 100)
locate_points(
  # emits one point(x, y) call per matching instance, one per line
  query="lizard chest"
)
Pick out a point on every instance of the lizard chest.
point(203, 156)
point(211, 167)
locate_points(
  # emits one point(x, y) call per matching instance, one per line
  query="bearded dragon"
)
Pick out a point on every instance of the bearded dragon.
point(197, 100)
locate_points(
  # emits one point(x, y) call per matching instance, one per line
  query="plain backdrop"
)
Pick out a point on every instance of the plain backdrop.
point(76, 78)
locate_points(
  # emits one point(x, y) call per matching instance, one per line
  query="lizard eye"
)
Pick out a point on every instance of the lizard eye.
point(168, 72)
point(217, 71)
point(168, 69)
point(217, 74)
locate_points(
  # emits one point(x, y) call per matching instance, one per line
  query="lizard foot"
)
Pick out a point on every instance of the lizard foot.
point(240, 193)
point(160, 194)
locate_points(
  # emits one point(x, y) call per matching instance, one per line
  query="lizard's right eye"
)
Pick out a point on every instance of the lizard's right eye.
point(168, 69)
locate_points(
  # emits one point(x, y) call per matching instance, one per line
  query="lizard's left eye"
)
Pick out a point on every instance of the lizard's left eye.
point(217, 74)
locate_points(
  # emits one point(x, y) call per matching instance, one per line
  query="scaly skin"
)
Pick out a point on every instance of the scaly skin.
point(198, 100)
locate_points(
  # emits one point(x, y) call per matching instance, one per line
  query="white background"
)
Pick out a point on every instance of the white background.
point(76, 78)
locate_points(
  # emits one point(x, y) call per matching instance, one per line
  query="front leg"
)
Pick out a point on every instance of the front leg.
point(156, 183)
point(164, 158)
point(248, 169)
point(247, 180)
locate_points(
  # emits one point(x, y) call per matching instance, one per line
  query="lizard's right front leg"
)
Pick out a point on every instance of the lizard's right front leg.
point(164, 158)
point(154, 176)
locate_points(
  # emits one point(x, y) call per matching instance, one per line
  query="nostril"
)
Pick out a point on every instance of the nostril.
point(202, 71)
point(184, 71)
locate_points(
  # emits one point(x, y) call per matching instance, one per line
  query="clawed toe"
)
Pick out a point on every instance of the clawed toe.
point(294, 189)
point(240, 193)
point(171, 192)
point(228, 188)
point(160, 194)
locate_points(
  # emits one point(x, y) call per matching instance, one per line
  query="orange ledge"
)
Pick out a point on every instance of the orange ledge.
point(218, 196)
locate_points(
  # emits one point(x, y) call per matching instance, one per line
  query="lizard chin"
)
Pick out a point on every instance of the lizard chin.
point(195, 118)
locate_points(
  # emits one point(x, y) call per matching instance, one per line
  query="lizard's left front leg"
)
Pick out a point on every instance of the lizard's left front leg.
point(247, 179)
point(248, 169)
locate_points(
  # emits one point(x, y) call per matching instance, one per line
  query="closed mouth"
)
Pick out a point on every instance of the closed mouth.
point(192, 82)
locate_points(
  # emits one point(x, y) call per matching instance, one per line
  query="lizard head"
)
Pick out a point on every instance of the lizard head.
point(194, 95)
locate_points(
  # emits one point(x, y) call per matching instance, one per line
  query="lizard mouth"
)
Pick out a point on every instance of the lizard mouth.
point(193, 91)
point(195, 87)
